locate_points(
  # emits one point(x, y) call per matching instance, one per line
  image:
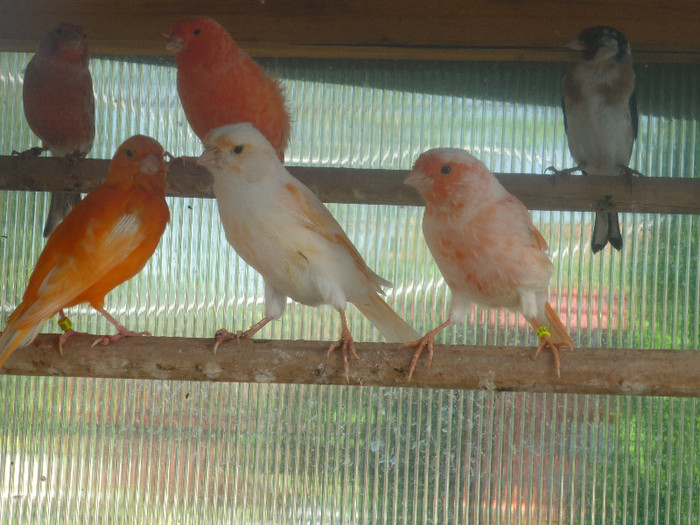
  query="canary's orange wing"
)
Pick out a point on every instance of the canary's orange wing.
point(66, 270)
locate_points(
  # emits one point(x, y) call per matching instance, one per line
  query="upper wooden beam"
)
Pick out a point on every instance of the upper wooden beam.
point(373, 186)
point(393, 29)
point(618, 371)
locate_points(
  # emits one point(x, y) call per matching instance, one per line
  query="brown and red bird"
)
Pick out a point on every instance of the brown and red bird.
point(59, 104)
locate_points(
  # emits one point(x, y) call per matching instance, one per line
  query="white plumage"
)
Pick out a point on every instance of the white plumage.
point(279, 227)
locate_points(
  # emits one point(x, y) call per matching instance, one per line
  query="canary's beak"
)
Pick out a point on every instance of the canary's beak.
point(175, 44)
point(417, 180)
point(575, 44)
point(151, 164)
point(74, 39)
point(208, 159)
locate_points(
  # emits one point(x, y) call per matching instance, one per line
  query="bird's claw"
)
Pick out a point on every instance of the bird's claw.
point(75, 157)
point(421, 344)
point(347, 346)
point(630, 172)
point(107, 339)
point(29, 153)
point(551, 170)
point(63, 337)
point(224, 335)
point(546, 341)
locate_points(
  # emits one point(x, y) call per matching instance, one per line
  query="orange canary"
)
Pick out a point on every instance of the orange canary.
point(106, 239)
point(59, 104)
point(283, 230)
point(220, 84)
point(485, 245)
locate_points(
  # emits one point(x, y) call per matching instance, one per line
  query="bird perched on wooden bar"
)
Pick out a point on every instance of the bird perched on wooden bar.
point(279, 227)
point(485, 245)
point(106, 239)
point(59, 104)
point(220, 84)
point(600, 116)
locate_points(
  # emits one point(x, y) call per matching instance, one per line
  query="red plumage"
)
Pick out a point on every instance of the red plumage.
point(220, 84)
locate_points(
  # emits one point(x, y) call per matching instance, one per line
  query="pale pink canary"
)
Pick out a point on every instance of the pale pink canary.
point(485, 245)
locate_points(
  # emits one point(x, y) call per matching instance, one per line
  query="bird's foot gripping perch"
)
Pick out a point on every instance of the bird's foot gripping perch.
point(30, 153)
point(551, 170)
point(68, 331)
point(628, 172)
point(546, 341)
point(223, 335)
point(347, 345)
point(427, 341)
point(107, 339)
point(122, 331)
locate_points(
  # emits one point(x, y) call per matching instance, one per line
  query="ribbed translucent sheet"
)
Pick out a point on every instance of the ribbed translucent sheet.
point(124, 451)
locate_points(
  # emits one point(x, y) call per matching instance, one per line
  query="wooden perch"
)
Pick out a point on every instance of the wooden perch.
point(584, 370)
point(373, 186)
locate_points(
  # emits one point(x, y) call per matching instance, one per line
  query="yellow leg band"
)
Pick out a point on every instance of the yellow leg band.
point(65, 324)
point(543, 331)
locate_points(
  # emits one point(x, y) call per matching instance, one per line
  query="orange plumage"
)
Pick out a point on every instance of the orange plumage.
point(220, 84)
point(59, 103)
point(106, 239)
point(485, 244)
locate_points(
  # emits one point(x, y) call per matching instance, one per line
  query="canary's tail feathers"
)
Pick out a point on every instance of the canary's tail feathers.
point(560, 336)
point(13, 338)
point(606, 229)
point(393, 328)
point(61, 204)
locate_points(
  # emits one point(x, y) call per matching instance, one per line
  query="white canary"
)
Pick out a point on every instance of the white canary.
point(282, 229)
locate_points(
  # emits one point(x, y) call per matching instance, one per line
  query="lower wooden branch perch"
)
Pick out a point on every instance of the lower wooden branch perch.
point(585, 370)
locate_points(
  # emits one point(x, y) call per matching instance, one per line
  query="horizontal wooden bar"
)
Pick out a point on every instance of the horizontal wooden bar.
point(618, 371)
point(367, 52)
point(360, 186)
point(393, 29)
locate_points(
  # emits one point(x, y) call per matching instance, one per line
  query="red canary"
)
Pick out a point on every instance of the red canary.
point(106, 239)
point(485, 244)
point(220, 84)
point(59, 104)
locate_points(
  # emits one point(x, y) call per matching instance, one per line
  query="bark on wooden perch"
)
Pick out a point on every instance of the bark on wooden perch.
point(367, 186)
point(584, 370)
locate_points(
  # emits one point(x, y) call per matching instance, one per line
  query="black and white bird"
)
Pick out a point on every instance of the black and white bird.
point(600, 115)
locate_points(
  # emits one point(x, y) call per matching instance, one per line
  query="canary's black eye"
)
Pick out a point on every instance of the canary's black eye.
point(85, 37)
point(129, 153)
point(197, 31)
point(59, 31)
point(238, 149)
point(446, 169)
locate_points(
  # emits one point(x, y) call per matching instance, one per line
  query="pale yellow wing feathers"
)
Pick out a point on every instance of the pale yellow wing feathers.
point(316, 217)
